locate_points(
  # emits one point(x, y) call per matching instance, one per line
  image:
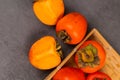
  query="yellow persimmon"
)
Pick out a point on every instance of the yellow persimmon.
point(48, 11)
point(45, 53)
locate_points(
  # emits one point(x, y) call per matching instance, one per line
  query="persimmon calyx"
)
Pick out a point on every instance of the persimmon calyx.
point(88, 56)
point(59, 50)
point(64, 36)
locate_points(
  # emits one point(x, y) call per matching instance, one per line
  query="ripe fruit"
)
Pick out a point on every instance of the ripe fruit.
point(90, 57)
point(98, 76)
point(48, 11)
point(45, 53)
point(69, 73)
point(72, 28)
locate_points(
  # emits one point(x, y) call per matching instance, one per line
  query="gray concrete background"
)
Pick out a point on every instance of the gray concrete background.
point(19, 29)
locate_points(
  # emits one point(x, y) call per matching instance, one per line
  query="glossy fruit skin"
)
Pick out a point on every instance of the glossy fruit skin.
point(69, 73)
point(43, 54)
point(48, 11)
point(99, 75)
point(75, 25)
point(101, 55)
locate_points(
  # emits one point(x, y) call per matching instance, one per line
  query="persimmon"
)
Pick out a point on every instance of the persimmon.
point(72, 28)
point(48, 11)
point(69, 73)
point(98, 76)
point(45, 53)
point(90, 57)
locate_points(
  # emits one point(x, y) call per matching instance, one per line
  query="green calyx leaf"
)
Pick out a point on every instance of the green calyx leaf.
point(92, 48)
point(88, 56)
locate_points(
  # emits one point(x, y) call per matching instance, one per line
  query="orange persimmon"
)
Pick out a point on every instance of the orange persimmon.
point(48, 11)
point(45, 53)
point(90, 57)
point(69, 73)
point(72, 28)
point(98, 76)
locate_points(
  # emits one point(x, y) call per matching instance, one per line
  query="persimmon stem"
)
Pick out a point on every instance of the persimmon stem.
point(88, 56)
point(59, 50)
point(64, 36)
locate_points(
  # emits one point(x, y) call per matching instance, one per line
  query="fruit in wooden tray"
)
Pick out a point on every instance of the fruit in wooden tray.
point(98, 76)
point(69, 73)
point(90, 57)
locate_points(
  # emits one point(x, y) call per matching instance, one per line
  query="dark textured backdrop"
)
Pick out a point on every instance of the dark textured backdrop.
point(19, 28)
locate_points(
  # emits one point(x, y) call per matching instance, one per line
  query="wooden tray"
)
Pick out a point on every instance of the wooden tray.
point(112, 66)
